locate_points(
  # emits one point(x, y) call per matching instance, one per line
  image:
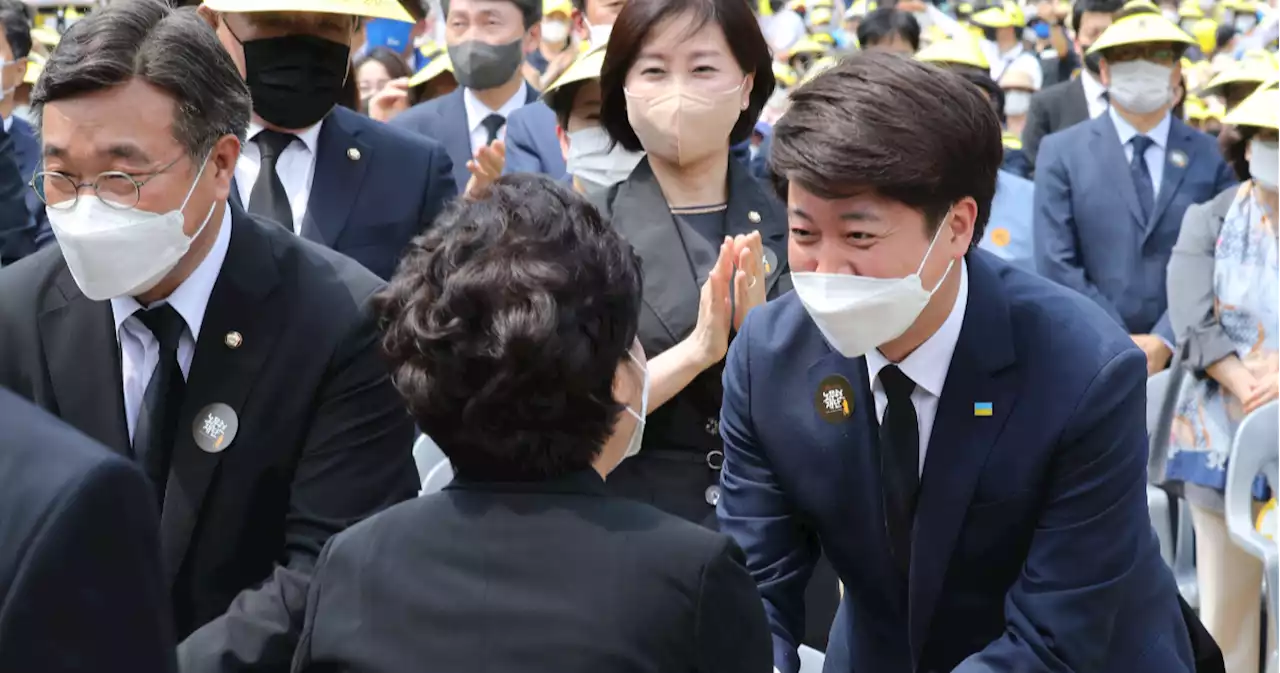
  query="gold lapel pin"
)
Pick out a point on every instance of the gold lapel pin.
point(353, 154)
point(754, 217)
point(233, 339)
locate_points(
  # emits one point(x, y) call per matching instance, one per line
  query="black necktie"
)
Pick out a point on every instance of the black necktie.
point(268, 197)
point(899, 462)
point(1142, 176)
point(158, 419)
point(492, 124)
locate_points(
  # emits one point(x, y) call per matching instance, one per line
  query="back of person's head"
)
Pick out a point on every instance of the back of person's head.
point(1081, 7)
point(891, 126)
point(17, 28)
point(890, 29)
point(506, 326)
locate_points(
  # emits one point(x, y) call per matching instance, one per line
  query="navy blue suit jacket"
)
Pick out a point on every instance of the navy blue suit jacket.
point(375, 189)
point(1089, 234)
point(532, 145)
point(1032, 547)
point(19, 231)
point(81, 586)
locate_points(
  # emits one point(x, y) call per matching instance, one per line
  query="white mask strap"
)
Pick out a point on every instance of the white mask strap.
point(920, 269)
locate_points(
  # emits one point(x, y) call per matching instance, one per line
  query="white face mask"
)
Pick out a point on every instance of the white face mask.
point(1141, 86)
point(1246, 22)
point(555, 31)
point(1264, 163)
point(598, 35)
point(859, 313)
point(596, 161)
point(637, 435)
point(116, 253)
point(1016, 103)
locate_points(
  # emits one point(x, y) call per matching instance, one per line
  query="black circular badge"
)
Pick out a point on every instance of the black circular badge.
point(215, 428)
point(834, 399)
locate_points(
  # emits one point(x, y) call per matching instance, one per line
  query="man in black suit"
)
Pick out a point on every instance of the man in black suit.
point(334, 176)
point(1081, 98)
point(80, 587)
point(21, 236)
point(235, 361)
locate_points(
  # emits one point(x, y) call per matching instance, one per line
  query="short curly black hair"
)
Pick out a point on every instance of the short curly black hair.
point(505, 325)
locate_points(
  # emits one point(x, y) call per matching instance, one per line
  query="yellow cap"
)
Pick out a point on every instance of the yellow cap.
point(993, 17)
point(1261, 109)
point(554, 6)
point(1190, 9)
point(1138, 7)
point(784, 74)
point(820, 15)
point(1254, 67)
point(1140, 29)
point(437, 67)
point(585, 67)
point(374, 9)
point(46, 36)
point(819, 66)
point(809, 45)
point(1241, 6)
point(1205, 32)
point(959, 50)
point(824, 38)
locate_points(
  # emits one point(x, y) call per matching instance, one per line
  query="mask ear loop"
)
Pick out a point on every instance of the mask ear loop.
point(920, 269)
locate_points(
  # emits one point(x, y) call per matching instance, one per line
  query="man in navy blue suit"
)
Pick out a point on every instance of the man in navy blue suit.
point(965, 441)
point(1111, 192)
point(19, 236)
point(326, 173)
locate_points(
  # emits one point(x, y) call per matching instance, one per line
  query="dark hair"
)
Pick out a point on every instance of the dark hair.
point(639, 17)
point(505, 325)
point(530, 11)
point(982, 79)
point(17, 29)
point(562, 102)
point(1093, 7)
point(895, 126)
point(882, 24)
point(395, 65)
point(1223, 36)
point(1232, 141)
point(171, 49)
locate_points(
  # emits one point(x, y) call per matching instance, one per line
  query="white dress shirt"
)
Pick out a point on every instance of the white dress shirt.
point(477, 111)
point(296, 167)
point(139, 349)
point(927, 366)
point(8, 123)
point(1154, 155)
point(1017, 58)
point(1095, 93)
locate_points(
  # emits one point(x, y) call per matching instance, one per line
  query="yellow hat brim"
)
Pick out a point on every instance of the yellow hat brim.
point(1141, 29)
point(583, 69)
point(373, 9)
point(992, 17)
point(1261, 109)
point(957, 51)
point(437, 67)
point(46, 36)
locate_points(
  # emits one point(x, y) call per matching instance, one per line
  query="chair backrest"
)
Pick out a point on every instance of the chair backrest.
point(1253, 452)
point(427, 455)
point(1162, 397)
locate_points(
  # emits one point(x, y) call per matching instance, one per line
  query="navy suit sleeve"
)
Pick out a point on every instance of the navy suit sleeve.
point(1091, 528)
point(756, 512)
point(90, 595)
point(441, 187)
point(1057, 248)
point(522, 150)
point(18, 231)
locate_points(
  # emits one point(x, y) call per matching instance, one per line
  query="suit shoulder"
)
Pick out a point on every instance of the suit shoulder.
point(1052, 92)
point(422, 117)
point(317, 271)
point(28, 278)
point(530, 114)
point(388, 138)
point(778, 325)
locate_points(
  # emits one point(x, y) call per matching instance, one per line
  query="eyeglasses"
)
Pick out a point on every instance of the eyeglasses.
point(117, 189)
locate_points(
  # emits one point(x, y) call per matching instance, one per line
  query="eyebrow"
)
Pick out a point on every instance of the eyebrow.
point(849, 216)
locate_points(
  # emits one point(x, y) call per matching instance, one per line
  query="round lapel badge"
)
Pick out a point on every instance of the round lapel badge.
point(1178, 158)
point(770, 261)
point(834, 399)
point(1000, 237)
point(215, 428)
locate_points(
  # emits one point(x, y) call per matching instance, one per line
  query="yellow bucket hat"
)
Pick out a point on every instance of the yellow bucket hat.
point(960, 50)
point(1261, 109)
point(1254, 67)
point(1141, 28)
point(373, 9)
point(585, 67)
point(437, 67)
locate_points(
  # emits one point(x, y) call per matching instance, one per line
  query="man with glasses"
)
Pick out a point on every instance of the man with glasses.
point(236, 363)
point(1110, 193)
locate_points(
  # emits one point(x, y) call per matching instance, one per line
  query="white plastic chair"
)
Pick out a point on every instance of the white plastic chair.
point(428, 457)
point(1158, 503)
point(1253, 452)
point(811, 660)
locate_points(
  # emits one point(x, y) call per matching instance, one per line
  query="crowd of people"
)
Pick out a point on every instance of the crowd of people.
point(794, 335)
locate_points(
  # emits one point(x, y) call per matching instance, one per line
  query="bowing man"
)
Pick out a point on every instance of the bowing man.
point(964, 440)
point(236, 362)
point(320, 170)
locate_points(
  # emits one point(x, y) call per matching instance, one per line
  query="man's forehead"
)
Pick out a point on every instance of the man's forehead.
point(300, 19)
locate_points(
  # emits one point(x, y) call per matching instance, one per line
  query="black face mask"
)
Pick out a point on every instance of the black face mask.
point(1092, 61)
point(294, 79)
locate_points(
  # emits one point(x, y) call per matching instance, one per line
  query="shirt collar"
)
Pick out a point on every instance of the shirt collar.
point(191, 298)
point(477, 111)
point(8, 123)
point(927, 365)
point(1159, 135)
point(1093, 87)
point(309, 136)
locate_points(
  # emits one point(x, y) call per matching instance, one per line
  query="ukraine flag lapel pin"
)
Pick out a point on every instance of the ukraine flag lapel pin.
point(982, 409)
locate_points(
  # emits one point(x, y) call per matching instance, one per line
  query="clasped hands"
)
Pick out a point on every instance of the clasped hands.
point(735, 285)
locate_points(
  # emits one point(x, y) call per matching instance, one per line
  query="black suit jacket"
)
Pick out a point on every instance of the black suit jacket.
point(1053, 109)
point(17, 237)
point(554, 577)
point(323, 437)
point(80, 581)
point(374, 189)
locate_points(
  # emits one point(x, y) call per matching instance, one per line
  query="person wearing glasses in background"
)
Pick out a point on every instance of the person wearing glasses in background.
point(234, 361)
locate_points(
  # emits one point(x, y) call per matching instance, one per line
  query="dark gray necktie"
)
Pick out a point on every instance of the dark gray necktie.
point(268, 197)
point(899, 462)
point(1142, 175)
point(492, 124)
point(157, 424)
